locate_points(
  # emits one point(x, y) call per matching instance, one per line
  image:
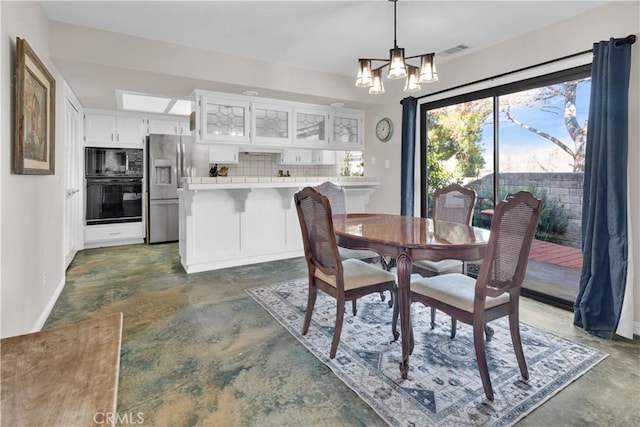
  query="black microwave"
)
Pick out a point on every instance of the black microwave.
point(126, 162)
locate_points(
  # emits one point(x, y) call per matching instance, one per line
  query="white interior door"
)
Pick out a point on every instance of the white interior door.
point(73, 206)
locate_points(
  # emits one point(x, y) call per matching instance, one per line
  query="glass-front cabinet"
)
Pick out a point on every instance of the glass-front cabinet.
point(347, 129)
point(263, 122)
point(223, 120)
point(311, 127)
point(271, 124)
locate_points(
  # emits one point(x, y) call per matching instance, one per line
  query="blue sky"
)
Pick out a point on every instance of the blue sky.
point(522, 150)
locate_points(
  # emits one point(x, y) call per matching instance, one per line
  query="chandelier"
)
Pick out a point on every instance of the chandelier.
point(398, 68)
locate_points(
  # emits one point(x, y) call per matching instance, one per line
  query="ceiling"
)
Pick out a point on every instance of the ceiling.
point(326, 36)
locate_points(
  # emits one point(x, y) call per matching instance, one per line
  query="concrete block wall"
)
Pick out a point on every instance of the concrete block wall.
point(565, 188)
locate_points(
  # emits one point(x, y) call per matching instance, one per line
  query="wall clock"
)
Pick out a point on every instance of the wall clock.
point(384, 129)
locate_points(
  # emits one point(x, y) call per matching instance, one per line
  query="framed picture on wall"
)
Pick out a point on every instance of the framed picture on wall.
point(34, 142)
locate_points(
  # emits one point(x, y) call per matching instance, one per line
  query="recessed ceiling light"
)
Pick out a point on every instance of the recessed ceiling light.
point(337, 104)
point(250, 93)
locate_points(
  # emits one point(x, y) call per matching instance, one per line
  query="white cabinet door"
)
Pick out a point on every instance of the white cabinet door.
point(223, 154)
point(224, 120)
point(99, 128)
point(347, 127)
point(164, 127)
point(271, 124)
point(184, 127)
point(311, 127)
point(130, 130)
point(324, 157)
point(296, 156)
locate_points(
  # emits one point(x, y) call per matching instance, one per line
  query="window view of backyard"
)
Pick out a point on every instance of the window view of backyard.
point(534, 140)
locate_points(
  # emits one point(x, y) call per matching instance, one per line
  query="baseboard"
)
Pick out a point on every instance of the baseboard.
point(47, 310)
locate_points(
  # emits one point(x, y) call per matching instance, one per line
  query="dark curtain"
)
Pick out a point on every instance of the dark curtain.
point(604, 208)
point(407, 165)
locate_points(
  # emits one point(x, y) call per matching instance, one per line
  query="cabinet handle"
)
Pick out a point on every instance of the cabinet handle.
point(118, 138)
point(111, 137)
point(115, 234)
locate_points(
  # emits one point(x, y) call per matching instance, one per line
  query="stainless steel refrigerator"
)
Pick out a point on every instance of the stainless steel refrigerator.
point(169, 158)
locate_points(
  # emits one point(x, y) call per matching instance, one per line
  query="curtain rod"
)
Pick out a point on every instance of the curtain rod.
point(630, 39)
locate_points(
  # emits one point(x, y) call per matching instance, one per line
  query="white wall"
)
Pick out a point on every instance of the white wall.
point(32, 209)
point(616, 19)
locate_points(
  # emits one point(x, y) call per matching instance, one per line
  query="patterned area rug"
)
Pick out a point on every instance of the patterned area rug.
point(444, 386)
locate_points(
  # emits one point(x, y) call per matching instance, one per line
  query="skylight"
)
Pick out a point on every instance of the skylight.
point(152, 103)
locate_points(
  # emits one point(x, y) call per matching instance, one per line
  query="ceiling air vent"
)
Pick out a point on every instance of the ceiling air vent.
point(453, 50)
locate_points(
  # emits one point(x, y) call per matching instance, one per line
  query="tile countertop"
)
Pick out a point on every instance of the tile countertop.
point(203, 183)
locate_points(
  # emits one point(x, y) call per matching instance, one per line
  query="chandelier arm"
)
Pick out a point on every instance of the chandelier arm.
point(419, 56)
point(381, 67)
point(376, 59)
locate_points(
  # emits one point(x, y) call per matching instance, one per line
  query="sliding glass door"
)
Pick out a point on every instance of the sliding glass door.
point(528, 135)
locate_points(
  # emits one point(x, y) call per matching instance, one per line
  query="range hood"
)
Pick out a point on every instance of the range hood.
point(259, 150)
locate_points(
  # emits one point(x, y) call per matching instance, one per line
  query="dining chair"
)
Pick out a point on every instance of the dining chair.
point(496, 291)
point(452, 203)
point(344, 280)
point(338, 199)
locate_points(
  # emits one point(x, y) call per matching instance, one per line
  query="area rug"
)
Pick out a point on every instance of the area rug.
point(444, 386)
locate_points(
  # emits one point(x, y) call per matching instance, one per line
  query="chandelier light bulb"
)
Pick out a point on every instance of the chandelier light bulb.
point(378, 86)
point(428, 72)
point(365, 77)
point(397, 66)
point(412, 84)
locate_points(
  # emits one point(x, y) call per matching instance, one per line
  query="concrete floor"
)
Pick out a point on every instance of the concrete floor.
point(197, 350)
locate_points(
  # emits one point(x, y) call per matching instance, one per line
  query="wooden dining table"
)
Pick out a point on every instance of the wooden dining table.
point(407, 239)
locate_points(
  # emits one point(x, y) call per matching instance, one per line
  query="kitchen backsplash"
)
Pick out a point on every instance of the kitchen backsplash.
point(266, 165)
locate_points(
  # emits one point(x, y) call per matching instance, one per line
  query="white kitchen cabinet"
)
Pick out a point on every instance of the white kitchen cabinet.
point(168, 126)
point(271, 123)
point(296, 156)
point(310, 127)
point(104, 129)
point(325, 157)
point(222, 119)
point(347, 129)
point(223, 153)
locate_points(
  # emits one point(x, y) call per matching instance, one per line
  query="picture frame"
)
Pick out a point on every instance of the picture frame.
point(35, 114)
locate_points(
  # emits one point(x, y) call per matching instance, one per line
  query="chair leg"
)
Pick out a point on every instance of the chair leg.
point(433, 318)
point(481, 357)
point(338, 328)
point(311, 302)
point(514, 328)
point(353, 307)
point(454, 327)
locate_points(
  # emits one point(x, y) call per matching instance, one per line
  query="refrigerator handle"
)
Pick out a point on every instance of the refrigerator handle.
point(178, 164)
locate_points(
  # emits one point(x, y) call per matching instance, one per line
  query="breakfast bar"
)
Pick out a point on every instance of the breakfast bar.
point(232, 221)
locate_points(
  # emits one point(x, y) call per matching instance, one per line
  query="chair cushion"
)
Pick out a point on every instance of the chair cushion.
point(346, 253)
point(454, 289)
point(440, 267)
point(358, 274)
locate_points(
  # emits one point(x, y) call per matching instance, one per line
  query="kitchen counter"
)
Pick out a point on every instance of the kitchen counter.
point(232, 221)
point(200, 183)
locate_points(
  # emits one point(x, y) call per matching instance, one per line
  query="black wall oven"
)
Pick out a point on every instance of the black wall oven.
point(114, 185)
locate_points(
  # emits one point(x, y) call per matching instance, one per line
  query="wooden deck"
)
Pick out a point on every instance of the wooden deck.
point(552, 253)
